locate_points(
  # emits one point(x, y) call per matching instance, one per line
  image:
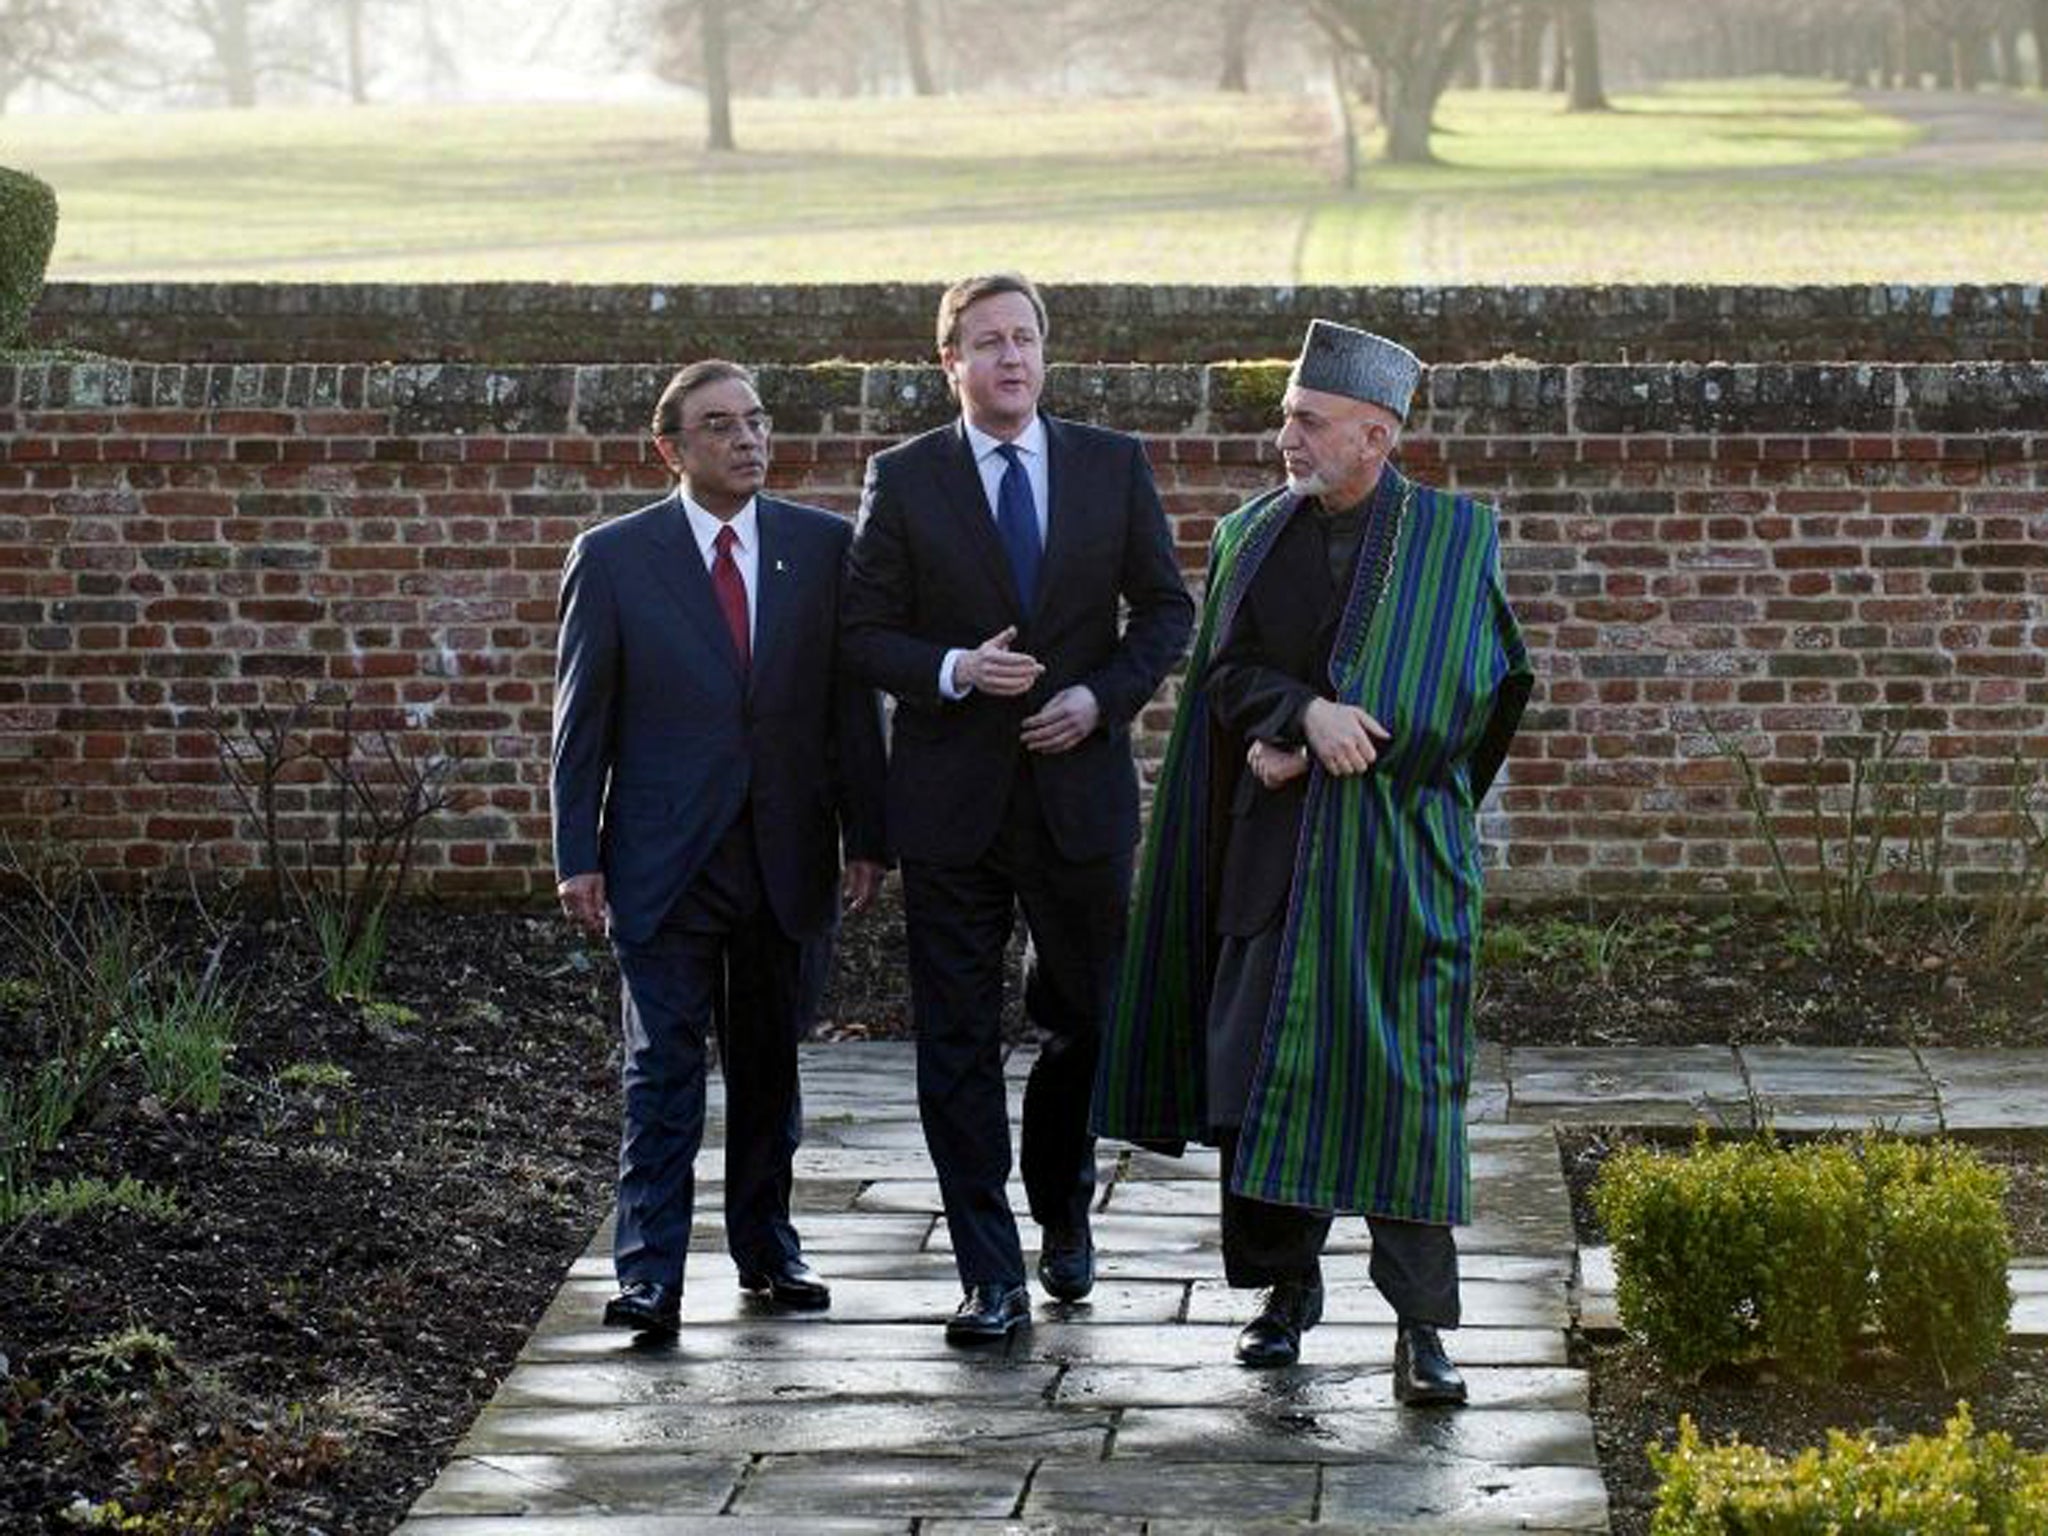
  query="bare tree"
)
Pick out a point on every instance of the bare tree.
point(1237, 38)
point(1582, 27)
point(916, 52)
point(64, 44)
point(1413, 50)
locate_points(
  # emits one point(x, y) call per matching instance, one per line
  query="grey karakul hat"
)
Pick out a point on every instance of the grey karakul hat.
point(1341, 360)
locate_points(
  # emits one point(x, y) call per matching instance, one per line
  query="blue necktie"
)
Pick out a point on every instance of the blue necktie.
point(1017, 522)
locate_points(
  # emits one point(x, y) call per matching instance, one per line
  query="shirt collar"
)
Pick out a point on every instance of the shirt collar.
point(1031, 440)
point(704, 527)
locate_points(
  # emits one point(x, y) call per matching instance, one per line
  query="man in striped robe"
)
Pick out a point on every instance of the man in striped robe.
point(1298, 985)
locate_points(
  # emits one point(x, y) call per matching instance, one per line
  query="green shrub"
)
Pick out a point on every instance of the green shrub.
point(28, 231)
point(1739, 1251)
point(1752, 1250)
point(1942, 1251)
point(1952, 1484)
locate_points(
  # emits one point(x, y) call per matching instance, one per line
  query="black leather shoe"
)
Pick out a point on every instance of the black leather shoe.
point(789, 1283)
point(1066, 1262)
point(646, 1307)
point(988, 1313)
point(1287, 1311)
point(1423, 1374)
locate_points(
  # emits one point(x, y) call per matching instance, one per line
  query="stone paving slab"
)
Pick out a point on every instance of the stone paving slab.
point(654, 1483)
point(1395, 1496)
point(1804, 1088)
point(885, 1485)
point(1507, 1436)
point(1984, 1092)
point(1217, 1489)
point(1313, 1387)
point(683, 1381)
point(1627, 1085)
point(648, 1525)
point(1334, 1343)
point(940, 1427)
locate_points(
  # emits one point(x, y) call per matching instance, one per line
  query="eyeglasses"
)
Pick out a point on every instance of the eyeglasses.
point(726, 427)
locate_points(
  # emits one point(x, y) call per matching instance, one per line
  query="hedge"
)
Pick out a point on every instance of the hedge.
point(28, 231)
point(1952, 1484)
point(1752, 1250)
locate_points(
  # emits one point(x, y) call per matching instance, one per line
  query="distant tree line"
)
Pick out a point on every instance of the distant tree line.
point(1398, 55)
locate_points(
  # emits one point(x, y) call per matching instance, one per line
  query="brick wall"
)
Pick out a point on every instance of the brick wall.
point(1784, 556)
point(656, 323)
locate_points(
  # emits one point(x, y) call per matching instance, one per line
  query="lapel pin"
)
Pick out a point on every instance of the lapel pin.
point(780, 566)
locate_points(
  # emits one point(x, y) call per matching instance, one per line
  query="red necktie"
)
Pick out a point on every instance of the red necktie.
point(731, 591)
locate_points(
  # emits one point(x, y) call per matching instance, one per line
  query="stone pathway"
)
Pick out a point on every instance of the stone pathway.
point(1124, 1414)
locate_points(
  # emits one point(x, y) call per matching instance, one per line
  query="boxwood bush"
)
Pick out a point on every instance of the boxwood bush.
point(1956, 1483)
point(1751, 1250)
point(28, 230)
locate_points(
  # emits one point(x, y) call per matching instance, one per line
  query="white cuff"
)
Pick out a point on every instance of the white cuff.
point(948, 687)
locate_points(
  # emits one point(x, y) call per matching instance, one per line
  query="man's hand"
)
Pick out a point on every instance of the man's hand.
point(582, 898)
point(992, 667)
point(1344, 738)
point(1274, 766)
point(859, 886)
point(1064, 723)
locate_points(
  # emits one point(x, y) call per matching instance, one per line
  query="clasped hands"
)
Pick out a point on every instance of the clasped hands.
point(1344, 738)
point(993, 668)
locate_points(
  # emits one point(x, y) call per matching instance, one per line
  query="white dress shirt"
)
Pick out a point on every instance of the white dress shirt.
point(746, 548)
point(992, 466)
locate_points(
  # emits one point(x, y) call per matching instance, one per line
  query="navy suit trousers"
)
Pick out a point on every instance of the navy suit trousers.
point(718, 966)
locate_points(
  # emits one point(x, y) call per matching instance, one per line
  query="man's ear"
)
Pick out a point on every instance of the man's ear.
point(948, 356)
point(667, 450)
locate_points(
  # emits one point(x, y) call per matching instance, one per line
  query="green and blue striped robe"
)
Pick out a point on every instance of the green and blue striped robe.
point(1358, 1098)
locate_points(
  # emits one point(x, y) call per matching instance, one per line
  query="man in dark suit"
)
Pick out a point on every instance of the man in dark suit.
point(710, 755)
point(984, 591)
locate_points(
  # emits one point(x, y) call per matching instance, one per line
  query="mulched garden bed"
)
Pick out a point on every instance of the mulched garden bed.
point(355, 1261)
point(1636, 1403)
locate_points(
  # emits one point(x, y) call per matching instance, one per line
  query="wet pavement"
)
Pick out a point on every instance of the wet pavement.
point(1125, 1413)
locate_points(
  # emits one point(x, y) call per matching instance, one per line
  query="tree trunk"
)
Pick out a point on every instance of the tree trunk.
point(1347, 130)
point(1237, 46)
point(1532, 20)
point(717, 76)
point(1589, 93)
point(2041, 43)
point(915, 54)
point(231, 47)
point(358, 72)
point(1560, 81)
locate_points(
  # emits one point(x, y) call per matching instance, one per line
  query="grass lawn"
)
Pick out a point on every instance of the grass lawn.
point(1761, 181)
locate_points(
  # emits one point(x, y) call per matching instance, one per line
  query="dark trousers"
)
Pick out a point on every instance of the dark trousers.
point(958, 920)
point(719, 964)
point(1414, 1264)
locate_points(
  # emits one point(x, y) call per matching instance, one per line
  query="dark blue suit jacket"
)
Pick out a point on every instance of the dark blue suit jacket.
point(660, 739)
point(929, 573)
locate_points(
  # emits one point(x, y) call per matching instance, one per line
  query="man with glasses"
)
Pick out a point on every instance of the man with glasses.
point(710, 758)
point(1014, 586)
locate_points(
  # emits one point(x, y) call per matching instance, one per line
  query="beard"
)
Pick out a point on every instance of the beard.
point(1311, 484)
